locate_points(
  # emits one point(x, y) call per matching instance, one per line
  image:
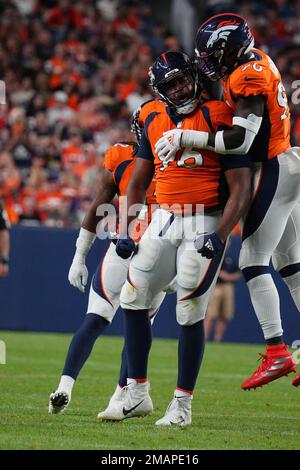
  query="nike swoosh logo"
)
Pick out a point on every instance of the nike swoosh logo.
point(126, 412)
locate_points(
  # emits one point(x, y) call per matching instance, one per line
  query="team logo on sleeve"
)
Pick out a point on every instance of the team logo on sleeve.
point(221, 33)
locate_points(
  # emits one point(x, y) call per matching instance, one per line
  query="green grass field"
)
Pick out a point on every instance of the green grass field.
point(224, 417)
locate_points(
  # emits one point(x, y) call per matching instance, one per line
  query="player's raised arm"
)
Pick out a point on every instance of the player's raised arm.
point(236, 141)
point(78, 273)
point(246, 124)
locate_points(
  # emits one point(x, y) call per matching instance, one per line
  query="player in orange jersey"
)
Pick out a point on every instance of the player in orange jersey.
point(254, 90)
point(201, 197)
point(108, 279)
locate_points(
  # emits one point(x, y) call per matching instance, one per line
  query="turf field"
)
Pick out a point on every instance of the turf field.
point(224, 417)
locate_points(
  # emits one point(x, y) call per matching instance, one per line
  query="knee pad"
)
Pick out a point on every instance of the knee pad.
point(190, 311)
point(148, 254)
point(249, 257)
point(102, 307)
point(133, 298)
point(189, 270)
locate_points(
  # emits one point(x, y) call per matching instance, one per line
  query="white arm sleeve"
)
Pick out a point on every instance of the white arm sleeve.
point(84, 242)
point(196, 139)
point(251, 125)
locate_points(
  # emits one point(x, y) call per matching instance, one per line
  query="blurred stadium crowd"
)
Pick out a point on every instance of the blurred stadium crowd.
point(75, 71)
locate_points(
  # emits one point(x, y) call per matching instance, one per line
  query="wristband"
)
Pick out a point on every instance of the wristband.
point(84, 241)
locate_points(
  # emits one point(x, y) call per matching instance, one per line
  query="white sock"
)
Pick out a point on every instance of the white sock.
point(265, 300)
point(181, 394)
point(66, 384)
point(293, 284)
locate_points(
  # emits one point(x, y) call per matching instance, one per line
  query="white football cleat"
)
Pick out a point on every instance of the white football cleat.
point(135, 402)
point(116, 398)
point(179, 412)
point(58, 402)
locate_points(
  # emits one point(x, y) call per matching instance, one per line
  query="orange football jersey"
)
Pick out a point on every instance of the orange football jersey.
point(195, 176)
point(120, 160)
point(260, 76)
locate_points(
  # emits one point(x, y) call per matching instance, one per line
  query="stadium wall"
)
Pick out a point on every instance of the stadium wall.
point(36, 296)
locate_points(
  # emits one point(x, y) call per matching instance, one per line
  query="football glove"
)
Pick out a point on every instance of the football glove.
point(125, 247)
point(78, 274)
point(209, 245)
point(168, 145)
point(171, 141)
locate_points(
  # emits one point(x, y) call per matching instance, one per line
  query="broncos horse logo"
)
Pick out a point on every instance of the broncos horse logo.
point(221, 33)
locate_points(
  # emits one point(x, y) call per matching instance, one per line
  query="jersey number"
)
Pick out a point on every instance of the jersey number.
point(190, 159)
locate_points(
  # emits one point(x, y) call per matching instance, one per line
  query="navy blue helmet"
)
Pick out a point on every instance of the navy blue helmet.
point(174, 77)
point(221, 42)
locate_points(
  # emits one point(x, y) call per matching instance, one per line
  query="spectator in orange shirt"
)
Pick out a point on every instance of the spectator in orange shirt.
point(64, 14)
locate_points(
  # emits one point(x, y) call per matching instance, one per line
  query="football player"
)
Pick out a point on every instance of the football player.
point(254, 90)
point(109, 277)
point(197, 192)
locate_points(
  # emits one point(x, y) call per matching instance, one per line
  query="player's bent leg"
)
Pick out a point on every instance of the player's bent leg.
point(137, 399)
point(263, 229)
point(149, 271)
point(286, 258)
point(277, 361)
point(274, 200)
point(265, 299)
point(102, 305)
point(121, 389)
point(196, 277)
point(79, 350)
point(120, 392)
point(286, 261)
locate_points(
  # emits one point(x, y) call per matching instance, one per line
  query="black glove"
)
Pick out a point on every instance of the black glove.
point(125, 247)
point(209, 245)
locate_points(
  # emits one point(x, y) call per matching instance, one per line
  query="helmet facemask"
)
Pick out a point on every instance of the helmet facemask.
point(212, 64)
point(179, 89)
